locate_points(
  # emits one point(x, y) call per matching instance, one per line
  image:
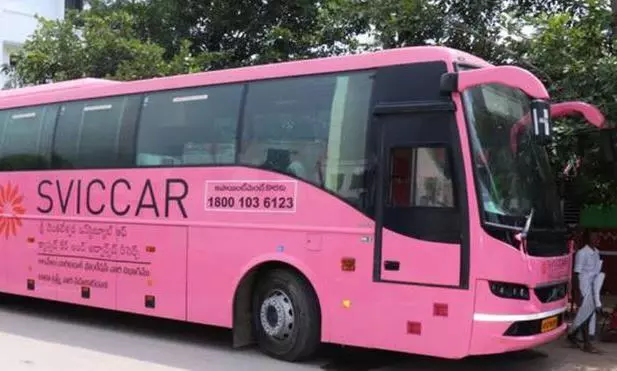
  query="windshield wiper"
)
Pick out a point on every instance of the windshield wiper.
point(503, 226)
point(525, 230)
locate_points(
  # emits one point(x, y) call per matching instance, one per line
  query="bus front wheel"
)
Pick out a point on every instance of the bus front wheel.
point(286, 316)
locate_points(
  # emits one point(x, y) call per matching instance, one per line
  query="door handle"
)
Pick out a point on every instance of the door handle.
point(391, 265)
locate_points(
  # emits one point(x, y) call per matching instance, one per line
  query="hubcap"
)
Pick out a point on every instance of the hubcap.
point(277, 315)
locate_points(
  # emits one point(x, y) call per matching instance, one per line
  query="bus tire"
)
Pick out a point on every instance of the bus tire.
point(286, 316)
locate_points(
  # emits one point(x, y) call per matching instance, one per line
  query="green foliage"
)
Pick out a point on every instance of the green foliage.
point(127, 39)
point(91, 44)
point(469, 25)
point(574, 52)
point(243, 32)
point(54, 51)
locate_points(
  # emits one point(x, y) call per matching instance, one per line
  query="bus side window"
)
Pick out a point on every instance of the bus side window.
point(312, 128)
point(420, 177)
point(88, 133)
point(25, 137)
point(194, 126)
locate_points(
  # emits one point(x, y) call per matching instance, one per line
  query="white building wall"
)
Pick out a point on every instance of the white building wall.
point(18, 22)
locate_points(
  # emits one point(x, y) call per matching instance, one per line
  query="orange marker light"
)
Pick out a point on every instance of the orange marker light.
point(348, 264)
point(30, 239)
point(150, 249)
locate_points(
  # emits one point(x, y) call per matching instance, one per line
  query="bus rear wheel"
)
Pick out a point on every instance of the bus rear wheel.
point(286, 316)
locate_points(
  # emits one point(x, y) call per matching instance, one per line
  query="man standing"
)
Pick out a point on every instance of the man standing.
point(588, 271)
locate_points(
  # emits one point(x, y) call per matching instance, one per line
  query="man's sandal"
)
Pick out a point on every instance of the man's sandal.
point(588, 348)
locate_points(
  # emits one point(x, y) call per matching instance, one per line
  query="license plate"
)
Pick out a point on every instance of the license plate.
point(549, 324)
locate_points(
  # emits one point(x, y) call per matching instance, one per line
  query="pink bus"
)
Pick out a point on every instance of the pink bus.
point(370, 200)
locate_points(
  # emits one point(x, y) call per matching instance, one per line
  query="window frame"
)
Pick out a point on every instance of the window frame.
point(120, 142)
point(368, 165)
point(243, 86)
point(43, 142)
point(447, 147)
point(240, 126)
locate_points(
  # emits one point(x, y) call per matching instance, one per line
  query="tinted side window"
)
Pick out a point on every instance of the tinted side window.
point(190, 126)
point(89, 132)
point(421, 169)
point(313, 128)
point(25, 137)
point(420, 177)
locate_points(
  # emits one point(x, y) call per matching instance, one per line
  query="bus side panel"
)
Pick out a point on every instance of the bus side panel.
point(27, 272)
point(391, 316)
point(217, 256)
point(152, 279)
point(3, 265)
point(85, 261)
point(210, 269)
point(424, 320)
point(351, 289)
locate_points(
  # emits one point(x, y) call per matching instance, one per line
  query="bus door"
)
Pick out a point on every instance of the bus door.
point(420, 232)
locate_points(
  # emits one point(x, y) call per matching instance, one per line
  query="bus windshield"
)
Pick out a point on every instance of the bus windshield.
point(510, 184)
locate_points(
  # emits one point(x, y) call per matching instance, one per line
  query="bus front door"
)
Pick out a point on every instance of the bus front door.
point(419, 235)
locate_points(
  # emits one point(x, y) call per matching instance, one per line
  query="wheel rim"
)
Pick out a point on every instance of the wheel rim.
point(277, 316)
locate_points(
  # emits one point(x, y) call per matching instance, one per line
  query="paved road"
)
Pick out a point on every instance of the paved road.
point(37, 336)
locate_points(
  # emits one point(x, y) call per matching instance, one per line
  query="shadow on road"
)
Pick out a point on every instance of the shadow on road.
point(108, 320)
point(90, 328)
point(343, 359)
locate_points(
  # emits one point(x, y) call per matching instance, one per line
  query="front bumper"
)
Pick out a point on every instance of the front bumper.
point(493, 334)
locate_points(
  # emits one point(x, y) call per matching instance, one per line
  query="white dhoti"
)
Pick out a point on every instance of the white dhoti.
point(590, 287)
point(597, 288)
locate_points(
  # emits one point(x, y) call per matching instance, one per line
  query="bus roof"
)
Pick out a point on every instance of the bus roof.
point(98, 88)
point(55, 87)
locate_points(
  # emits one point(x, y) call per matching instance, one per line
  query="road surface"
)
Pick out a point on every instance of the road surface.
point(37, 336)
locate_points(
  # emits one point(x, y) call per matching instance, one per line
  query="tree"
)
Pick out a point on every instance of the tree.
point(95, 45)
point(128, 39)
point(467, 25)
point(573, 51)
point(242, 32)
point(475, 26)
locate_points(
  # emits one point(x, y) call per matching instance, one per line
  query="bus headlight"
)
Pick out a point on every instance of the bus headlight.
point(509, 290)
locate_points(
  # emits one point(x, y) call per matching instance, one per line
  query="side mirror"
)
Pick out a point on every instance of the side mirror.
point(541, 120)
point(589, 112)
point(511, 76)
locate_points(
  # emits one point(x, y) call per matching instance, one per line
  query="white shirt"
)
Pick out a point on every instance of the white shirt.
point(587, 261)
